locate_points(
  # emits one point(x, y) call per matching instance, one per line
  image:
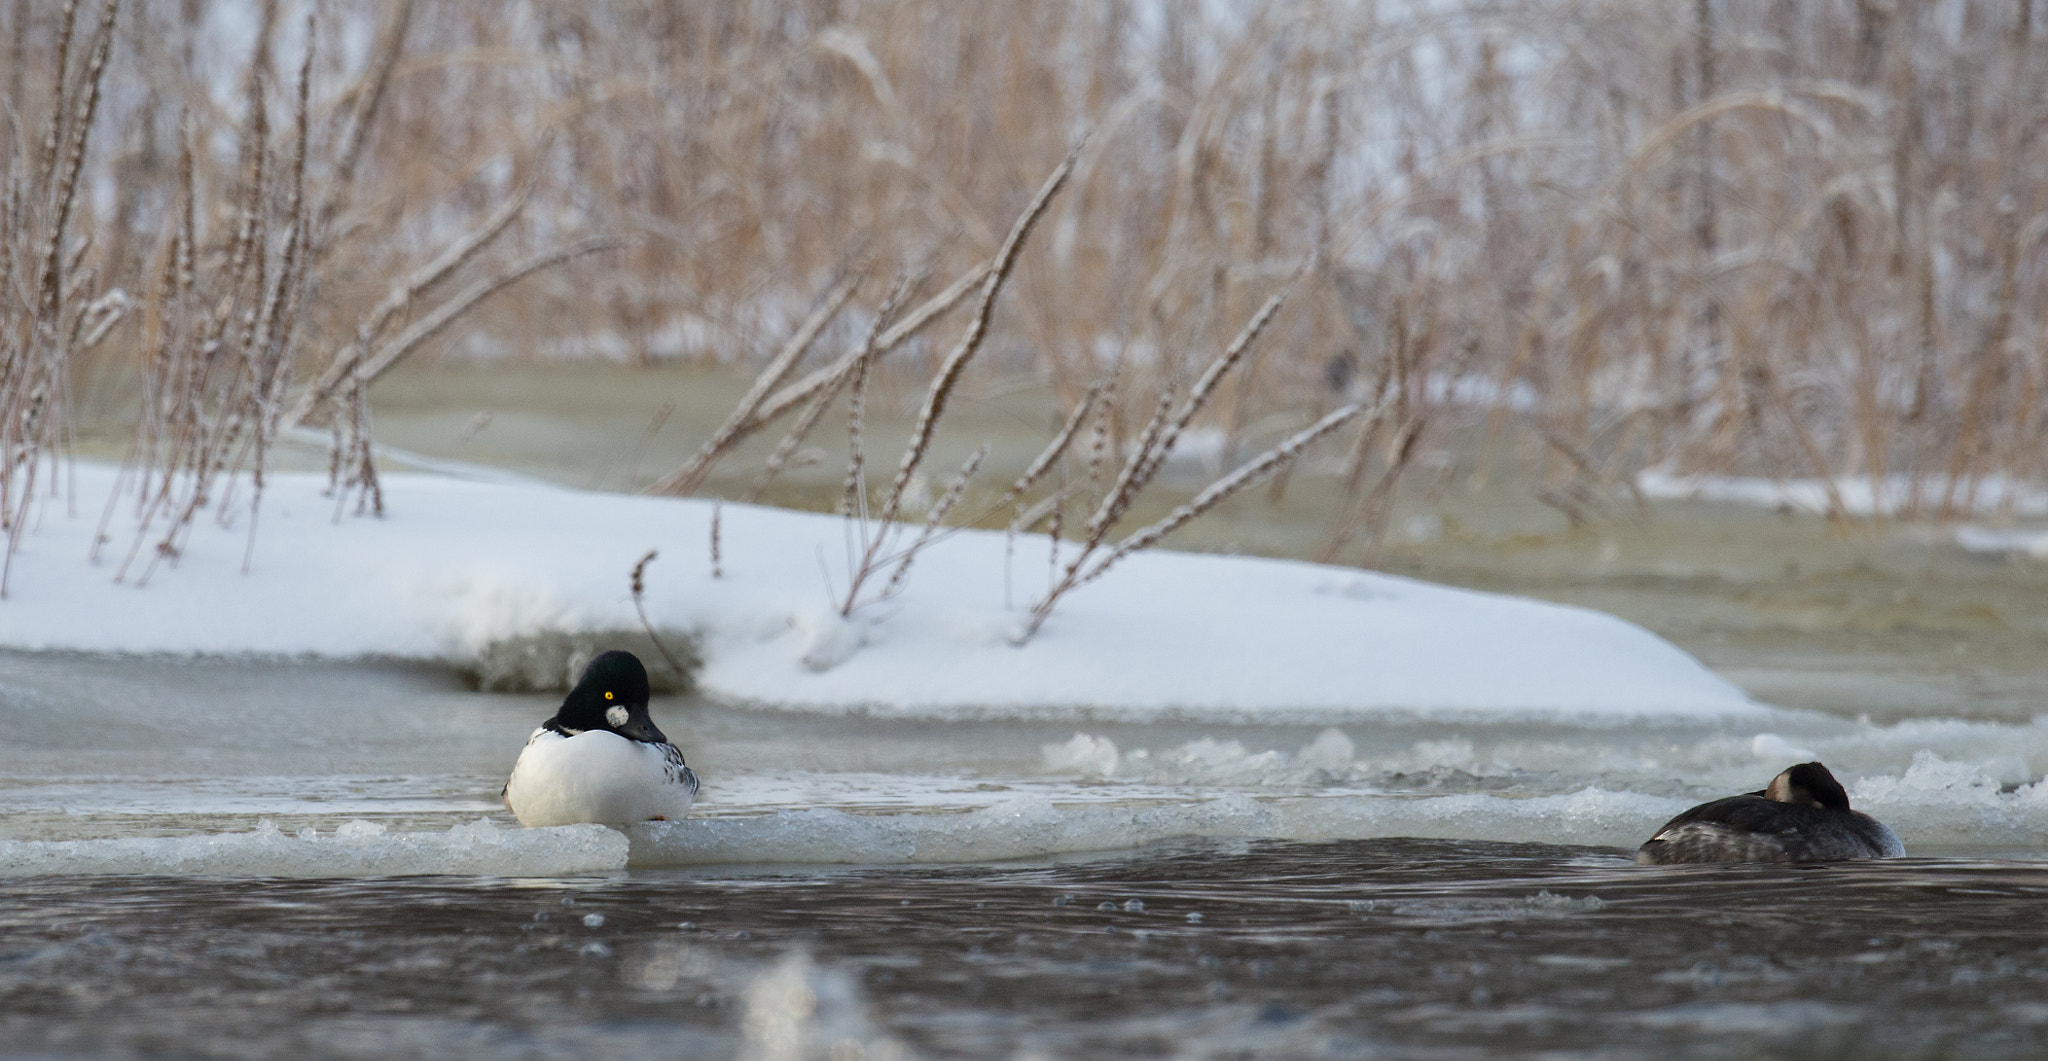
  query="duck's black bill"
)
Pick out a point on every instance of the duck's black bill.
point(639, 727)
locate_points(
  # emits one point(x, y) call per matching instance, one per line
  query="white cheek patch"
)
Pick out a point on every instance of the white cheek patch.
point(615, 715)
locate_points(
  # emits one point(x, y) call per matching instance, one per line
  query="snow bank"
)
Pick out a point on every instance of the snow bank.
point(1888, 496)
point(2011, 542)
point(458, 565)
point(355, 849)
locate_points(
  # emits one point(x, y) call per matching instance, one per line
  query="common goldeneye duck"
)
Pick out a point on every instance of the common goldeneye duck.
point(1803, 815)
point(601, 759)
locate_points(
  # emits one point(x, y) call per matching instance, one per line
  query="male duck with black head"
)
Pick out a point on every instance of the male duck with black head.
point(601, 759)
point(1803, 815)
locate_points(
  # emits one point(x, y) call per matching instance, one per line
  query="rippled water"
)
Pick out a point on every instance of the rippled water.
point(1211, 949)
point(855, 887)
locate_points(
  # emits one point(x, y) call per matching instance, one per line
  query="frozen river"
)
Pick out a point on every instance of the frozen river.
point(255, 856)
point(854, 887)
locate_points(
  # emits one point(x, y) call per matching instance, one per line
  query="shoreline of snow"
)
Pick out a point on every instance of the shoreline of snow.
point(1858, 495)
point(458, 565)
point(2029, 543)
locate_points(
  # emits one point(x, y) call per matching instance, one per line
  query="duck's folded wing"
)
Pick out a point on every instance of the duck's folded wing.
point(679, 773)
point(1745, 813)
point(1755, 829)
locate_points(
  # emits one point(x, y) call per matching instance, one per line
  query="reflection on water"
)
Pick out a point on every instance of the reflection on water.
point(1214, 949)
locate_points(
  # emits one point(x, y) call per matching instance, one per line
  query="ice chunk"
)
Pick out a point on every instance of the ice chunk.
point(1220, 762)
point(354, 832)
point(1084, 755)
point(1331, 750)
point(1939, 801)
point(1772, 748)
point(1931, 778)
point(1025, 827)
point(355, 849)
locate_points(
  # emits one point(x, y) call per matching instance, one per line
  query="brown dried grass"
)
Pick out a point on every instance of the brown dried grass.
point(1817, 246)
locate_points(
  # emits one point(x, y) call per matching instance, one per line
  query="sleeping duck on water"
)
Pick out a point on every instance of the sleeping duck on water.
point(1803, 815)
point(601, 758)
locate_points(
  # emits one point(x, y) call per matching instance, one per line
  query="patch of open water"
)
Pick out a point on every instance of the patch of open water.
point(865, 888)
point(1393, 947)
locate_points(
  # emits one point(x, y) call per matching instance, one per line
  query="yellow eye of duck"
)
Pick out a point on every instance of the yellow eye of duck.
point(607, 696)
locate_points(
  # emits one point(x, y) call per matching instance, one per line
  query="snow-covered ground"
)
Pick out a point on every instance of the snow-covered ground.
point(1889, 496)
point(1858, 494)
point(2009, 541)
point(459, 564)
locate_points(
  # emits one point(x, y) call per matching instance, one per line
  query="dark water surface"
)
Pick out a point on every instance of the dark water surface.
point(1377, 948)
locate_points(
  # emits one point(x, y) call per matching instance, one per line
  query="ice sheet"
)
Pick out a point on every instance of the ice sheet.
point(354, 849)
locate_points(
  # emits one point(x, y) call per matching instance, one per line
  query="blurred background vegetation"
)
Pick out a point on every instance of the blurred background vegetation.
point(1561, 242)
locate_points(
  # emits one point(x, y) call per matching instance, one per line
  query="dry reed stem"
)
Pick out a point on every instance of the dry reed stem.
point(40, 343)
point(1214, 494)
point(359, 451)
point(853, 494)
point(948, 376)
point(815, 408)
point(1833, 160)
point(717, 521)
point(1117, 499)
point(456, 305)
point(280, 310)
point(912, 324)
point(786, 449)
point(639, 584)
point(1046, 460)
point(401, 297)
point(932, 520)
point(740, 422)
point(1051, 454)
point(1205, 386)
point(1373, 508)
point(367, 96)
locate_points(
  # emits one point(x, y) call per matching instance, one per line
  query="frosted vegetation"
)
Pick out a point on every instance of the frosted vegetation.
point(1177, 635)
point(1767, 239)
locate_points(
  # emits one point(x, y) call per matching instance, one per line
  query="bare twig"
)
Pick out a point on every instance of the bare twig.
point(640, 607)
point(819, 401)
point(947, 377)
point(717, 517)
point(1215, 494)
point(743, 419)
point(932, 520)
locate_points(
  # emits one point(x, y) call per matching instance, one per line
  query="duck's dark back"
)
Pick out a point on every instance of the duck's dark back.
point(1750, 828)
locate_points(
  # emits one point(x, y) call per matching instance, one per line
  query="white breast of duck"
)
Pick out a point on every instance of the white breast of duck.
point(601, 758)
